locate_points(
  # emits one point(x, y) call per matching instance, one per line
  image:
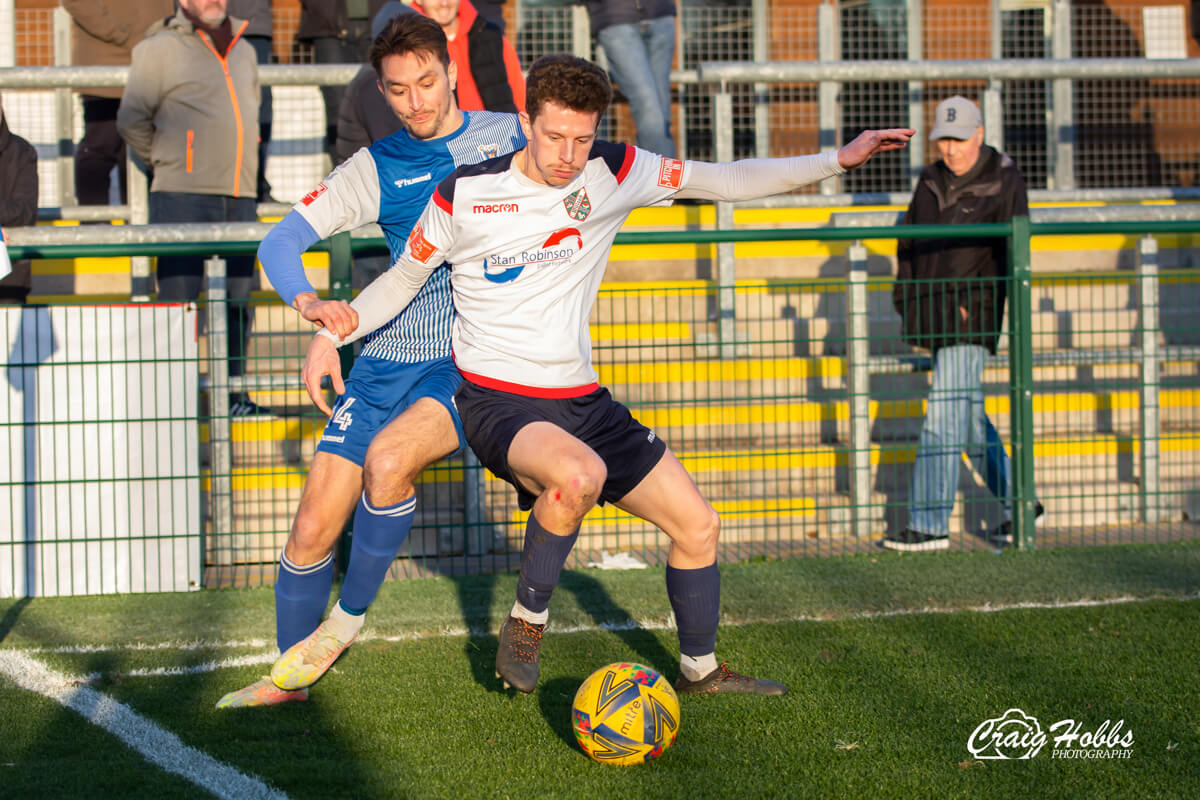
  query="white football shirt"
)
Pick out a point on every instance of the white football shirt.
point(527, 260)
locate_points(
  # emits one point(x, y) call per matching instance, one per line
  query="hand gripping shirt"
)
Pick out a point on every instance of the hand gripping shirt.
point(390, 182)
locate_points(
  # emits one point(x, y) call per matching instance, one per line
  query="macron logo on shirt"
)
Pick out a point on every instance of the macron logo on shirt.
point(495, 208)
point(402, 182)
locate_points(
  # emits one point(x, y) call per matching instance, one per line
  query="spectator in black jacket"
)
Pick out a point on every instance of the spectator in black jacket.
point(339, 32)
point(950, 294)
point(364, 115)
point(18, 203)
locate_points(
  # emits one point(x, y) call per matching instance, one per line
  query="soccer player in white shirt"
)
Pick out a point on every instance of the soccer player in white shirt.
point(527, 237)
point(398, 401)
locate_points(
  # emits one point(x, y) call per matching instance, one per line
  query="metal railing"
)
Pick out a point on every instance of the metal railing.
point(725, 80)
point(487, 518)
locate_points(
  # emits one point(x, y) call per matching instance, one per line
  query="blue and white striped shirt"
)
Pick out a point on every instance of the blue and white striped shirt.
point(390, 183)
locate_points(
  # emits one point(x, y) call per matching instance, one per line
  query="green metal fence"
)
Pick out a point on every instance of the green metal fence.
point(796, 405)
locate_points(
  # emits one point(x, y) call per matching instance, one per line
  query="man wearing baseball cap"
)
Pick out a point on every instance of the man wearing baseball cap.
point(950, 292)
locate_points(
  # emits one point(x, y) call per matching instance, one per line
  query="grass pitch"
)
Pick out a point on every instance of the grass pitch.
point(892, 661)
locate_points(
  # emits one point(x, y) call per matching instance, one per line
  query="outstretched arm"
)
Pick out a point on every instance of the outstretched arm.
point(761, 177)
point(868, 143)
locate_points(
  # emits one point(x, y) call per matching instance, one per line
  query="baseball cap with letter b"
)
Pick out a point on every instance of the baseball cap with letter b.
point(956, 118)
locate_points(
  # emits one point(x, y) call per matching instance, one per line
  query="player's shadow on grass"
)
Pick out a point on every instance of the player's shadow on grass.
point(476, 596)
point(11, 616)
point(593, 597)
point(555, 698)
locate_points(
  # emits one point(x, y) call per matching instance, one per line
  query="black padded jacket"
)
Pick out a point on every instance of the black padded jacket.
point(952, 291)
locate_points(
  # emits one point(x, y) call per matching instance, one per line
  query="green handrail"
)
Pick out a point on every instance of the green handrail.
point(361, 244)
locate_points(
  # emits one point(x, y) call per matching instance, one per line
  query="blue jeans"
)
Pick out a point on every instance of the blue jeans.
point(955, 422)
point(639, 59)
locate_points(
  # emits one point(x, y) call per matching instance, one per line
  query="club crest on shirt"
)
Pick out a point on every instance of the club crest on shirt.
point(489, 150)
point(578, 205)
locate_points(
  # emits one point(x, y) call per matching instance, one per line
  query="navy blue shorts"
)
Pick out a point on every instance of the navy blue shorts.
point(379, 390)
point(491, 419)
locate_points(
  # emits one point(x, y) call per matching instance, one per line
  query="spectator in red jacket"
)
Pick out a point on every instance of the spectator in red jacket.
point(489, 74)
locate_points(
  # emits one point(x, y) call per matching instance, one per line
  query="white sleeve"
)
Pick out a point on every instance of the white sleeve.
point(427, 247)
point(752, 178)
point(346, 199)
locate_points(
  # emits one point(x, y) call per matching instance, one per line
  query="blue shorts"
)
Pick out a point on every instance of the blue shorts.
point(378, 391)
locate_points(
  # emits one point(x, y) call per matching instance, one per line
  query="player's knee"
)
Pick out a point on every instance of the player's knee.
point(583, 481)
point(387, 476)
point(310, 539)
point(701, 538)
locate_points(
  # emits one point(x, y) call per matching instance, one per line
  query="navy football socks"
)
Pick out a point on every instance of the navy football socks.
point(542, 560)
point(695, 596)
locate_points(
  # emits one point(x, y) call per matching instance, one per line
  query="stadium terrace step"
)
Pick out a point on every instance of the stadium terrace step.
point(828, 519)
point(262, 441)
point(768, 423)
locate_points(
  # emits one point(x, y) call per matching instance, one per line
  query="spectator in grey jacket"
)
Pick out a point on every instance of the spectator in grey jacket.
point(18, 203)
point(190, 111)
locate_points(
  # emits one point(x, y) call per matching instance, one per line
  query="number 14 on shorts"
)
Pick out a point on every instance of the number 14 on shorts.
point(342, 417)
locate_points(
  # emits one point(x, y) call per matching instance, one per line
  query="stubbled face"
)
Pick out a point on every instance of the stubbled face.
point(420, 92)
point(210, 12)
point(443, 12)
point(961, 154)
point(560, 141)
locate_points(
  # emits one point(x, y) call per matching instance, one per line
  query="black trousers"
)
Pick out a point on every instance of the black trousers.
point(101, 149)
point(180, 278)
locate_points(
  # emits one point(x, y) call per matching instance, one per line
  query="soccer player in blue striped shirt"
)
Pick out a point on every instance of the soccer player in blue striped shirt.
point(398, 399)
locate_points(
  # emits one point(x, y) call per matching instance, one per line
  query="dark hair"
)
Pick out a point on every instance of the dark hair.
point(409, 33)
point(568, 81)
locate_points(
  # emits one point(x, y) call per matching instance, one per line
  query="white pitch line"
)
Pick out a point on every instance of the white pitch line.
point(155, 743)
point(659, 624)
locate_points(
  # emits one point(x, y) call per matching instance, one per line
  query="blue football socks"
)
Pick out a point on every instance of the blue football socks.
point(301, 594)
point(378, 535)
